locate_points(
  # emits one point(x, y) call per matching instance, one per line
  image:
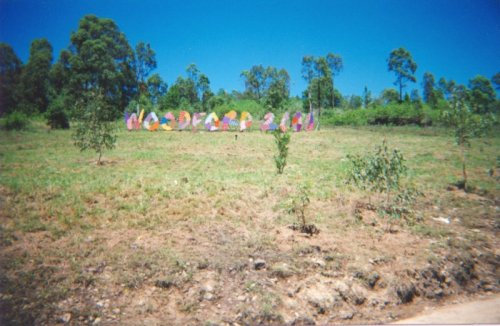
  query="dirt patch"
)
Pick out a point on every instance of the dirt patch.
point(202, 241)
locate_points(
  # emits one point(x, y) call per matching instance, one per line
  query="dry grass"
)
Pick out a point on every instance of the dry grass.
point(168, 229)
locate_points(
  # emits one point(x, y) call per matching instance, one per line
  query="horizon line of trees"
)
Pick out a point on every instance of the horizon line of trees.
point(100, 60)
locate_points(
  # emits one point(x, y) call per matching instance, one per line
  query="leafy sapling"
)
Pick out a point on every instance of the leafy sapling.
point(282, 140)
point(297, 205)
point(95, 129)
point(466, 125)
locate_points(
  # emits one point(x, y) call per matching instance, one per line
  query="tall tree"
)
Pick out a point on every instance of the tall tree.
point(323, 79)
point(203, 87)
point(428, 89)
point(35, 81)
point(447, 88)
point(367, 97)
point(255, 81)
point(401, 63)
point(267, 84)
point(278, 90)
point(156, 88)
point(496, 80)
point(193, 73)
point(60, 73)
point(308, 75)
point(319, 73)
point(336, 64)
point(102, 62)
point(145, 62)
point(482, 94)
point(10, 73)
point(190, 91)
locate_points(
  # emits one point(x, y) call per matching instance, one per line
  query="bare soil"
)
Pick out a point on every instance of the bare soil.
point(252, 272)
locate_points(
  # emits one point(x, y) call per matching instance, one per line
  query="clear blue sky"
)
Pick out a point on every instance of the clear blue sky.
point(457, 39)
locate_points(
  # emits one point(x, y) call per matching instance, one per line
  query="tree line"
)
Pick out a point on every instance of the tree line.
point(100, 63)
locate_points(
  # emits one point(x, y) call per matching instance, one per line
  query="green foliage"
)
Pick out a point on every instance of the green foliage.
point(367, 98)
point(278, 91)
point(389, 96)
point(95, 129)
point(35, 81)
point(380, 172)
point(157, 88)
point(15, 121)
point(56, 115)
point(401, 63)
point(428, 88)
point(145, 61)
point(267, 85)
point(394, 114)
point(282, 140)
point(102, 61)
point(466, 125)
point(192, 93)
point(60, 73)
point(496, 81)
point(482, 94)
point(446, 88)
point(10, 72)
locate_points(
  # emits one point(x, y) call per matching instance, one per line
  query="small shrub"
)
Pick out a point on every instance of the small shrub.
point(56, 115)
point(382, 172)
point(297, 205)
point(15, 121)
point(282, 141)
point(379, 172)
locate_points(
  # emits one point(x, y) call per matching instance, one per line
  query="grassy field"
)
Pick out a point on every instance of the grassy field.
point(172, 228)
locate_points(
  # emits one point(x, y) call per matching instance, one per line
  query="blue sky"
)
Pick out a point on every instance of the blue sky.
point(456, 39)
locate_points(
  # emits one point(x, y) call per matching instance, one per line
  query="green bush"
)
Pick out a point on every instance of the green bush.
point(56, 114)
point(15, 121)
point(382, 172)
point(393, 114)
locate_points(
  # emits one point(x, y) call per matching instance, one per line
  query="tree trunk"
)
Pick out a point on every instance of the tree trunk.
point(464, 171)
point(310, 101)
point(400, 92)
point(333, 93)
point(319, 105)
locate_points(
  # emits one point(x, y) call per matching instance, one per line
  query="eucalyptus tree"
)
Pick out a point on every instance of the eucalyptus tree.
point(35, 78)
point(402, 64)
point(10, 73)
point(102, 62)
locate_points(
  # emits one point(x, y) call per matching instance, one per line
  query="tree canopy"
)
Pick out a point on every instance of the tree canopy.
point(102, 61)
point(401, 63)
point(35, 78)
point(267, 84)
point(10, 73)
